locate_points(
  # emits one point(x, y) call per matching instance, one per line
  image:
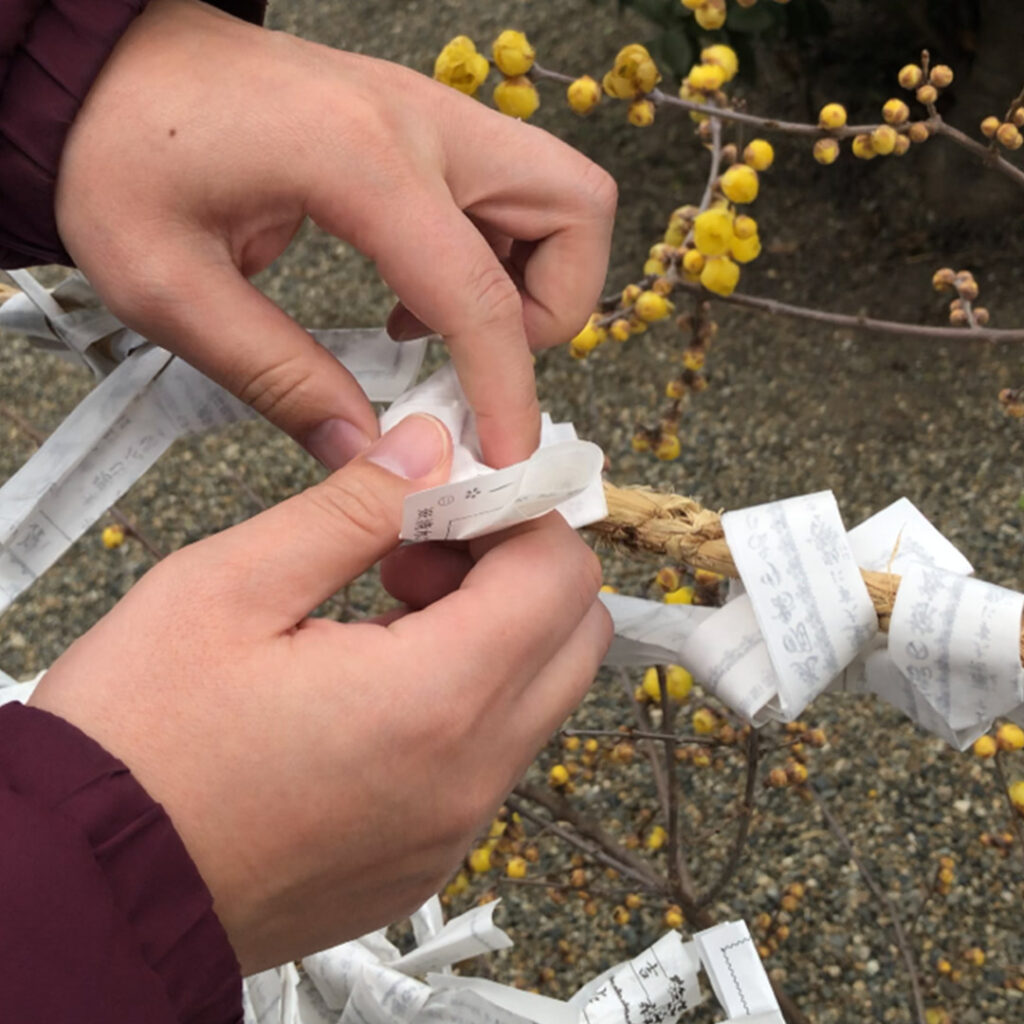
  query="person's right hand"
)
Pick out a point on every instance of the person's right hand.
point(205, 142)
point(326, 778)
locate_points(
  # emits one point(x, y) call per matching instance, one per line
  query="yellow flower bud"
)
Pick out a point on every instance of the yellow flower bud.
point(985, 746)
point(989, 127)
point(759, 154)
point(1009, 135)
point(862, 148)
point(656, 838)
point(679, 682)
point(883, 140)
point(668, 447)
point(1010, 736)
point(480, 860)
point(640, 443)
point(740, 183)
point(941, 76)
point(654, 267)
point(558, 776)
point(720, 275)
point(584, 94)
point(619, 329)
point(692, 5)
point(724, 56)
point(641, 113)
point(113, 536)
point(673, 917)
point(705, 77)
point(704, 721)
point(693, 261)
point(513, 53)
point(910, 76)
point(681, 595)
point(712, 232)
point(693, 359)
point(516, 867)
point(587, 340)
point(618, 87)
point(744, 226)
point(746, 249)
point(516, 97)
point(927, 94)
point(630, 294)
point(832, 115)
point(902, 145)
point(675, 389)
point(1016, 792)
point(711, 15)
point(895, 111)
point(650, 307)
point(826, 151)
point(650, 685)
point(460, 66)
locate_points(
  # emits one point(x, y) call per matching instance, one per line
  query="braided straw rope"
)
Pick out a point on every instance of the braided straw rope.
point(685, 532)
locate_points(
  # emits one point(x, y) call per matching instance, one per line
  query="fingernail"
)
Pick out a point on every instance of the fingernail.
point(411, 448)
point(336, 442)
point(406, 331)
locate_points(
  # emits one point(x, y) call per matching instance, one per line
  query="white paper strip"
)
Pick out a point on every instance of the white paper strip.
point(807, 593)
point(735, 970)
point(650, 632)
point(957, 640)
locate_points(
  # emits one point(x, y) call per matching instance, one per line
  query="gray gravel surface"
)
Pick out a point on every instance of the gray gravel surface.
point(792, 408)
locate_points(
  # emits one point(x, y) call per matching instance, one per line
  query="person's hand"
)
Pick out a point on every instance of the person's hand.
point(205, 141)
point(326, 778)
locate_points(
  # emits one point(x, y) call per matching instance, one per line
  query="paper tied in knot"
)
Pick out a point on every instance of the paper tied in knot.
point(369, 981)
point(564, 473)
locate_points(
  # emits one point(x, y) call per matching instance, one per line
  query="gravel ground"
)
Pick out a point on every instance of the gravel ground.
point(792, 408)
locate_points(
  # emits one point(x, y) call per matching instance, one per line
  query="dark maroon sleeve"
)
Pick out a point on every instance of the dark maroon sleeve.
point(50, 53)
point(104, 918)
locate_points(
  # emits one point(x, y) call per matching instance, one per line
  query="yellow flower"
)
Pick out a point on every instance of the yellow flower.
point(711, 15)
point(720, 275)
point(693, 359)
point(724, 56)
point(584, 94)
point(705, 721)
point(984, 746)
point(673, 917)
point(679, 682)
point(668, 447)
point(862, 148)
point(619, 329)
point(516, 97)
point(705, 77)
point(650, 686)
point(460, 66)
point(681, 595)
point(746, 249)
point(633, 72)
point(516, 867)
point(513, 53)
point(693, 261)
point(883, 139)
point(744, 227)
point(712, 232)
point(653, 267)
point(656, 838)
point(759, 154)
point(740, 184)
point(480, 860)
point(641, 113)
point(895, 111)
point(587, 340)
point(113, 536)
point(1010, 736)
point(1017, 795)
point(558, 776)
point(826, 151)
point(833, 115)
point(650, 307)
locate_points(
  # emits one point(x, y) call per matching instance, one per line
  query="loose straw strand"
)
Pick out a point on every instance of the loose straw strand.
point(685, 532)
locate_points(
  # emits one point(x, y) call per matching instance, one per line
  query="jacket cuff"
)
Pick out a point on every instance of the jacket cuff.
point(50, 53)
point(155, 888)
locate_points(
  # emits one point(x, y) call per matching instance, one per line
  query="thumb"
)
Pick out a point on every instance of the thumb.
point(300, 552)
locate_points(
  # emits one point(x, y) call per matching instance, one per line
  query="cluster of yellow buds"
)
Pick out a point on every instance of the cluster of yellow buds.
point(633, 76)
point(945, 875)
point(113, 536)
point(1002, 842)
point(678, 683)
point(925, 82)
point(1008, 737)
point(718, 65)
point(962, 311)
point(793, 774)
point(774, 929)
point(515, 94)
point(461, 66)
point(1012, 401)
point(1006, 132)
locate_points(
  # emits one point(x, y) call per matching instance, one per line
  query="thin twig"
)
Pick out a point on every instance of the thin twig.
point(676, 865)
point(858, 322)
point(679, 738)
point(732, 862)
point(880, 894)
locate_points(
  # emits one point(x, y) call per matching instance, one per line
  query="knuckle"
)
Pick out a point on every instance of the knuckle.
point(496, 296)
point(274, 386)
point(600, 189)
point(350, 500)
